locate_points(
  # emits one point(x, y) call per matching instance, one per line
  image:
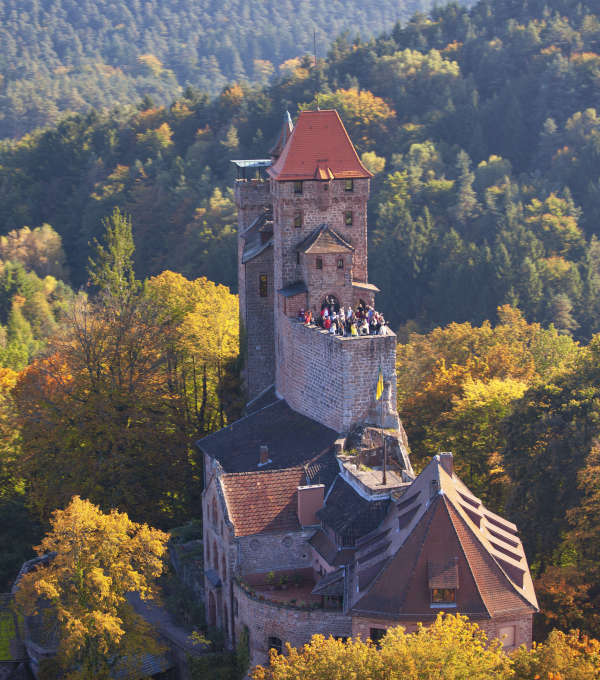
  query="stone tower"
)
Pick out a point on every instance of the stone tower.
point(303, 240)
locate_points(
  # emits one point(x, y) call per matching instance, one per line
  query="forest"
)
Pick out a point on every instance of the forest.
point(66, 55)
point(482, 127)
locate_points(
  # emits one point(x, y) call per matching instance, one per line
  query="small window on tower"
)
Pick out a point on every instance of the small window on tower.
point(348, 218)
point(298, 187)
point(341, 263)
point(262, 285)
point(298, 220)
point(319, 263)
point(298, 257)
point(349, 185)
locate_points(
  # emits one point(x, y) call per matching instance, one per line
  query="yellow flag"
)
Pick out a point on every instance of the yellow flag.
point(379, 390)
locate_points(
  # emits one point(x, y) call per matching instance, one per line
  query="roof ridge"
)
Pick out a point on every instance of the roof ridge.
point(417, 552)
point(462, 547)
point(249, 473)
point(488, 554)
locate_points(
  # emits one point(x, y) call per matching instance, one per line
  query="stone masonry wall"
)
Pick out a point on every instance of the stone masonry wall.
point(361, 627)
point(265, 620)
point(259, 322)
point(318, 206)
point(278, 551)
point(332, 379)
point(250, 198)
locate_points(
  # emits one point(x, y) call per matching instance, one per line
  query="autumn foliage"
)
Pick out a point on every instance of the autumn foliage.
point(98, 559)
point(452, 648)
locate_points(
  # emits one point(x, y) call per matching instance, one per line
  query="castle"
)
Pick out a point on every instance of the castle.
point(314, 521)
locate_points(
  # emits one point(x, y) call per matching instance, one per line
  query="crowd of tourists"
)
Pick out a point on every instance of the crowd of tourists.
point(365, 320)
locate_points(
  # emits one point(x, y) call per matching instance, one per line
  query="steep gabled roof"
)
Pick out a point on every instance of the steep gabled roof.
point(292, 439)
point(323, 240)
point(264, 501)
point(284, 135)
point(348, 513)
point(258, 236)
point(442, 534)
point(318, 148)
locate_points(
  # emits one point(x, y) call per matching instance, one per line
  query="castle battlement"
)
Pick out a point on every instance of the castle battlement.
point(302, 246)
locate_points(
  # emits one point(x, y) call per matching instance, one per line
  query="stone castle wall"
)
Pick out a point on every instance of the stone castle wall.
point(332, 379)
point(319, 203)
point(259, 325)
point(500, 627)
point(296, 626)
point(251, 197)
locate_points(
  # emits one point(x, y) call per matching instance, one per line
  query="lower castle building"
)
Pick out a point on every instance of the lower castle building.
point(314, 521)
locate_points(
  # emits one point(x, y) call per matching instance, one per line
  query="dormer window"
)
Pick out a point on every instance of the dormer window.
point(319, 263)
point(348, 218)
point(298, 187)
point(349, 185)
point(443, 597)
point(298, 220)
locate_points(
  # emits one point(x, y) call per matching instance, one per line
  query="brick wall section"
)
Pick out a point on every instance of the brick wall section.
point(332, 379)
point(295, 626)
point(361, 627)
point(250, 199)
point(259, 322)
point(278, 551)
point(318, 207)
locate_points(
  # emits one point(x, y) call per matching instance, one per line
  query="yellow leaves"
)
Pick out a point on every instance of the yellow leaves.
point(451, 648)
point(157, 139)
point(99, 559)
point(150, 64)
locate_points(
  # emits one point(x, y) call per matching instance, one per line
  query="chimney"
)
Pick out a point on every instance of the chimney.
point(447, 462)
point(310, 501)
point(264, 455)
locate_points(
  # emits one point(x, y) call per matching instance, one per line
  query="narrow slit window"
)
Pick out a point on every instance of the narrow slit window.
point(298, 220)
point(348, 218)
point(298, 187)
point(298, 257)
point(349, 185)
point(319, 263)
point(262, 285)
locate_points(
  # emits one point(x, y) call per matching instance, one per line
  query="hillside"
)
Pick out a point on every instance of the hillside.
point(483, 128)
point(65, 55)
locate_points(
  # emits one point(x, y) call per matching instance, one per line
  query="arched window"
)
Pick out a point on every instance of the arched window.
point(215, 561)
point(223, 568)
point(275, 643)
point(330, 301)
point(225, 621)
point(207, 553)
point(214, 510)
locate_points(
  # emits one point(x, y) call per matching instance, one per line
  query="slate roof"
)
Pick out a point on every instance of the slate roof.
point(258, 236)
point(264, 501)
point(331, 584)
point(284, 135)
point(349, 514)
point(323, 240)
point(293, 439)
point(318, 148)
point(293, 289)
point(442, 536)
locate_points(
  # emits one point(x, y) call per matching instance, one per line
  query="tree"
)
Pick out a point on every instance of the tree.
point(563, 656)
point(97, 560)
point(98, 414)
point(451, 647)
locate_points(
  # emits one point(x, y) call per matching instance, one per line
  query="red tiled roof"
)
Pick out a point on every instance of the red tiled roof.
point(263, 501)
point(440, 546)
point(318, 148)
point(494, 587)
